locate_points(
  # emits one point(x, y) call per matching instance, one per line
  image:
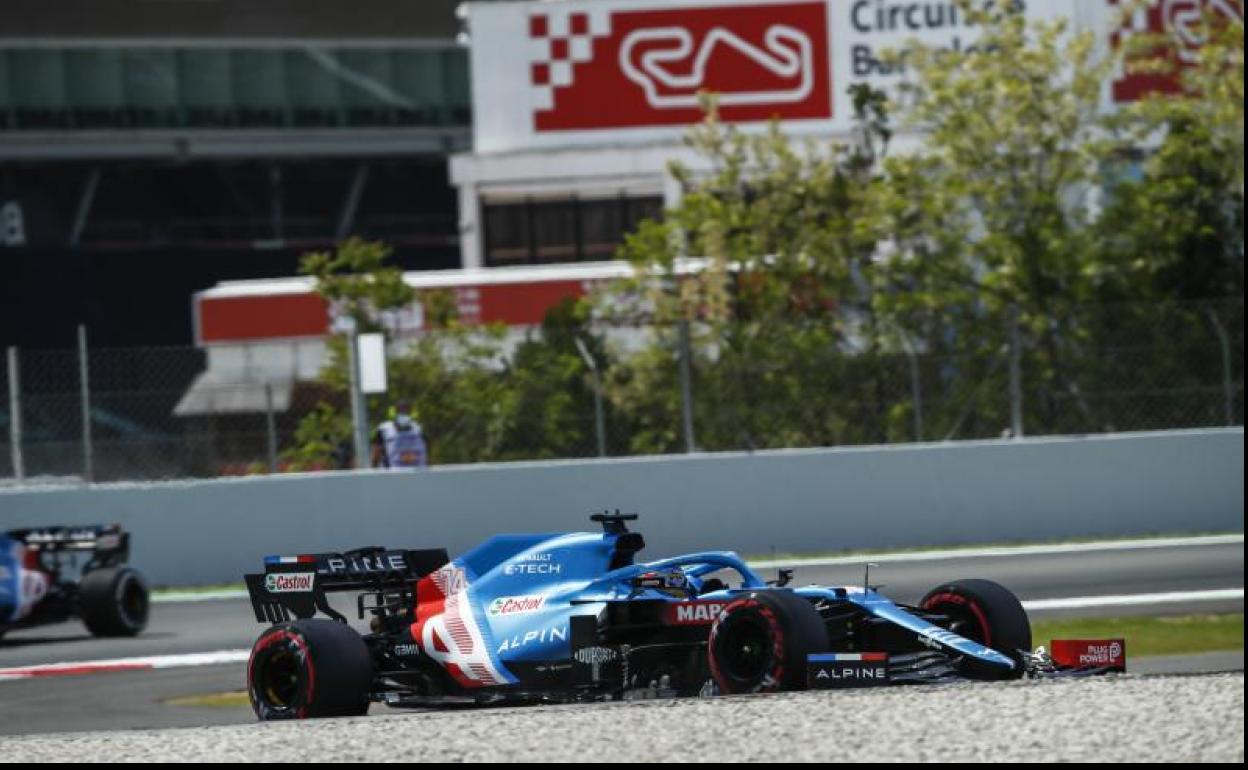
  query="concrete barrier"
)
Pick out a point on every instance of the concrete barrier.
point(198, 532)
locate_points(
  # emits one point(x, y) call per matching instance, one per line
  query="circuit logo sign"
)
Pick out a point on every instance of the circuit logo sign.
point(600, 68)
point(289, 582)
point(1182, 21)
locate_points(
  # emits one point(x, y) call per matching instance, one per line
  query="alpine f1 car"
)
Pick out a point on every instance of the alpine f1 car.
point(40, 582)
point(571, 617)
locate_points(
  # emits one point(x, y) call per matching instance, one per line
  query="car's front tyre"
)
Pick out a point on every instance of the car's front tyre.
point(988, 613)
point(309, 668)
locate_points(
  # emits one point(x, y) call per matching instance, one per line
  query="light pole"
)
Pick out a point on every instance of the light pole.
point(600, 423)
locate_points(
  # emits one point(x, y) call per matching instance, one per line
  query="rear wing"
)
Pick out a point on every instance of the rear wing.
point(296, 585)
point(108, 544)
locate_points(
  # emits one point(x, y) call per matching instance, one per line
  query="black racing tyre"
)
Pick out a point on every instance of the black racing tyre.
point(113, 601)
point(988, 613)
point(309, 668)
point(759, 642)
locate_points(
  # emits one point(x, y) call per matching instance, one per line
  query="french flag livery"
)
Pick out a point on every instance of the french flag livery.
point(842, 657)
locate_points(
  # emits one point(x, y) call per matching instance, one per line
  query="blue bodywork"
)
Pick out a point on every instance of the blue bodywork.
point(520, 593)
point(10, 578)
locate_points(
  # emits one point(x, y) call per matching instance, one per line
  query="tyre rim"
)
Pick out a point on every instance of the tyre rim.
point(965, 619)
point(280, 678)
point(132, 601)
point(743, 653)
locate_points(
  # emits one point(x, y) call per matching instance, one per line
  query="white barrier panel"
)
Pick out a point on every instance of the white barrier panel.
point(199, 532)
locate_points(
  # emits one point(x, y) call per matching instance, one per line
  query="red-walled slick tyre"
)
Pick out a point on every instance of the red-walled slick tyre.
point(759, 642)
point(309, 668)
point(988, 613)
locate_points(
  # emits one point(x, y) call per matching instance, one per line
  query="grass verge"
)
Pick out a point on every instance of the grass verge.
point(1181, 635)
point(234, 699)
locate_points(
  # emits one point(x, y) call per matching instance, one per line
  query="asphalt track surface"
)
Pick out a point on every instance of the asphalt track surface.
point(133, 699)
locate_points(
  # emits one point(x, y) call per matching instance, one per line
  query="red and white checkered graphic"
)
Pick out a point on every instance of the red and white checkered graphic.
point(1182, 21)
point(559, 40)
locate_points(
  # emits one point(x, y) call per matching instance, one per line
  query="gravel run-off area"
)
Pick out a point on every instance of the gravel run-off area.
point(1106, 719)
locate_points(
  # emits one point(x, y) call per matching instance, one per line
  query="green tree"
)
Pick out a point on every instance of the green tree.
point(992, 222)
point(452, 378)
point(552, 387)
point(785, 236)
point(318, 437)
point(355, 279)
point(1178, 213)
point(477, 397)
point(822, 264)
point(359, 285)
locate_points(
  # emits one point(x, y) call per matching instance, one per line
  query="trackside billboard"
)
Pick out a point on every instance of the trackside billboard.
point(597, 72)
point(554, 74)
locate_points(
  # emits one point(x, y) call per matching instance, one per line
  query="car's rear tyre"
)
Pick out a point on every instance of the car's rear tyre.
point(988, 613)
point(309, 668)
point(759, 642)
point(113, 601)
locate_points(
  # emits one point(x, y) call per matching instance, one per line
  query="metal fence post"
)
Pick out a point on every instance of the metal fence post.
point(359, 410)
point(1016, 376)
point(270, 425)
point(1228, 385)
point(686, 386)
point(15, 416)
point(916, 388)
point(84, 390)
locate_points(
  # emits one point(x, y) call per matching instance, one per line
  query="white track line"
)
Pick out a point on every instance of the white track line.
point(126, 664)
point(1129, 600)
point(1008, 550)
point(170, 597)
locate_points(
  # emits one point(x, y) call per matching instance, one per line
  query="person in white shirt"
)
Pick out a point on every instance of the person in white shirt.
point(399, 442)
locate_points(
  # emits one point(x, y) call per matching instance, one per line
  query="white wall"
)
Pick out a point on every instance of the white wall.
point(789, 500)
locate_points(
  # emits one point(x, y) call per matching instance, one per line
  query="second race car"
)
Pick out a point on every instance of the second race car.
point(52, 574)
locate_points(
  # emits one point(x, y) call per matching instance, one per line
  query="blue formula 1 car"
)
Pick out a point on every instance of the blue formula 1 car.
point(572, 617)
point(53, 574)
